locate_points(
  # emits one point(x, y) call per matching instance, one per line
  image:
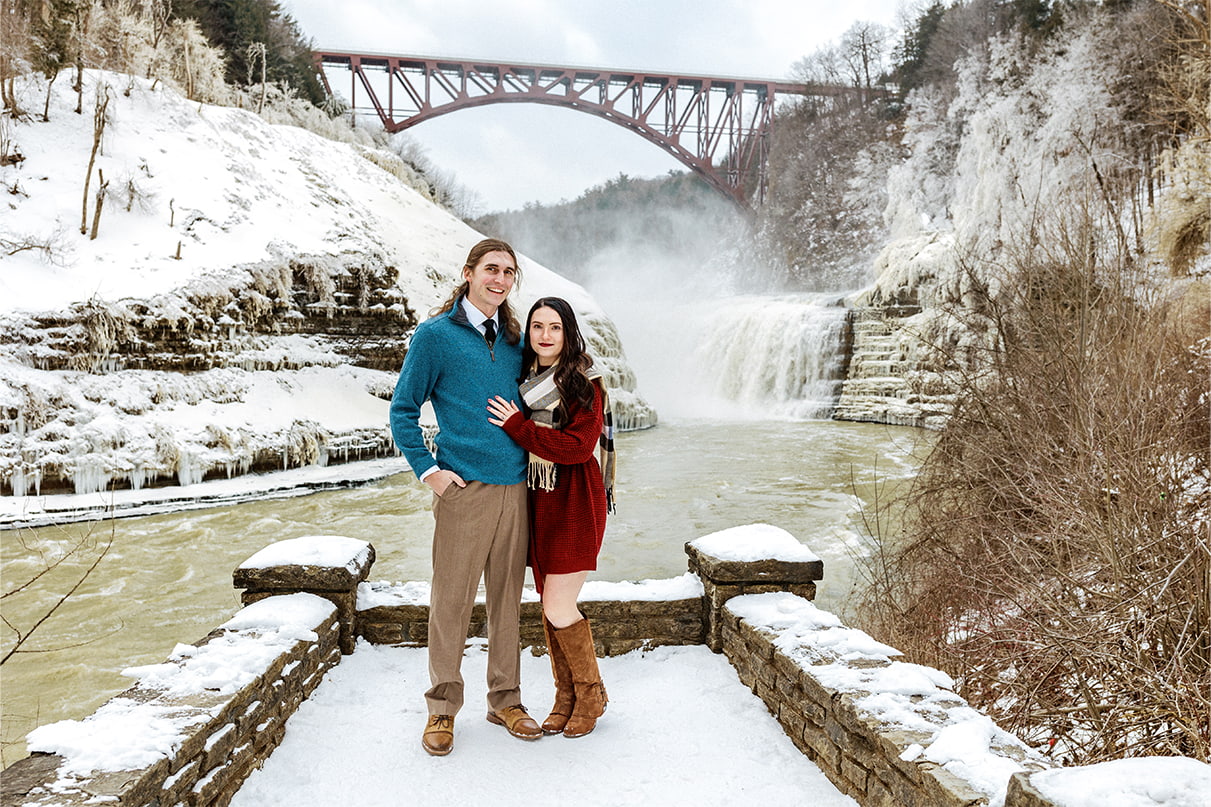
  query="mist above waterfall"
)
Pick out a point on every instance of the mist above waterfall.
point(675, 267)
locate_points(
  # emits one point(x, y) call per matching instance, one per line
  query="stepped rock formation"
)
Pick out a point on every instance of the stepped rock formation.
point(248, 310)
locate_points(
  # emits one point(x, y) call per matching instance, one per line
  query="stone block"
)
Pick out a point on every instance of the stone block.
point(792, 722)
point(945, 789)
point(219, 746)
point(128, 787)
point(307, 577)
point(827, 755)
point(788, 689)
point(1022, 793)
point(747, 674)
point(805, 590)
point(817, 692)
point(767, 676)
point(177, 786)
point(892, 743)
point(381, 632)
point(256, 714)
point(753, 571)
point(854, 773)
point(877, 794)
point(26, 778)
point(906, 793)
point(786, 666)
point(757, 643)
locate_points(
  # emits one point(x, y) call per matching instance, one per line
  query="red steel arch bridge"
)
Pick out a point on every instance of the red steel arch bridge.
point(719, 127)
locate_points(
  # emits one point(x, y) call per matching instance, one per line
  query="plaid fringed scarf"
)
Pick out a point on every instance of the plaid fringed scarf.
point(542, 398)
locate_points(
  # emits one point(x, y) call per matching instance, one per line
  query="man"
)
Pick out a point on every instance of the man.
point(457, 361)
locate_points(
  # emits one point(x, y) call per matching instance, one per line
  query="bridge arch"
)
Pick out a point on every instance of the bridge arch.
point(718, 127)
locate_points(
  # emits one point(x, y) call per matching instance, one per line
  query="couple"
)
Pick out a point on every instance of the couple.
point(506, 486)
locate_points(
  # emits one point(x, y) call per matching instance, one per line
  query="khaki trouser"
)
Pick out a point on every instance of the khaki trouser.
point(479, 529)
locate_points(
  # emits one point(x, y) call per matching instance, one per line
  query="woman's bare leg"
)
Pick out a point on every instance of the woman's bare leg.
point(559, 595)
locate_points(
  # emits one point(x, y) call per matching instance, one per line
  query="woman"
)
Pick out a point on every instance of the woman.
point(569, 498)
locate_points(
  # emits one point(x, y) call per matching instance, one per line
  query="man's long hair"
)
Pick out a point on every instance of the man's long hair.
point(510, 328)
point(574, 362)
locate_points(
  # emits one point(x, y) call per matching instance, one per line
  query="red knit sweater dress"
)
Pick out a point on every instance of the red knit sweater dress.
point(567, 523)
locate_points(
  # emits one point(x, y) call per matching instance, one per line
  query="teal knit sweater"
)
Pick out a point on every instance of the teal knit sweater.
point(449, 363)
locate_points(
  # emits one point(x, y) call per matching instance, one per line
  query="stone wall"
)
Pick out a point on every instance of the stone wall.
point(618, 626)
point(227, 734)
point(873, 725)
point(842, 703)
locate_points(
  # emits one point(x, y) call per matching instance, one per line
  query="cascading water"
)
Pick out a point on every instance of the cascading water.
point(776, 357)
point(752, 357)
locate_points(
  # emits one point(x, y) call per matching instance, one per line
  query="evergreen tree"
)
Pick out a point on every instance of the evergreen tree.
point(910, 55)
point(233, 25)
point(53, 45)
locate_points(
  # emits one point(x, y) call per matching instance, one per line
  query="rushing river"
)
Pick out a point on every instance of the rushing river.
point(167, 578)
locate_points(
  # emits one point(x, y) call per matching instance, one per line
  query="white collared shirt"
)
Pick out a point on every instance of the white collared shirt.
point(477, 318)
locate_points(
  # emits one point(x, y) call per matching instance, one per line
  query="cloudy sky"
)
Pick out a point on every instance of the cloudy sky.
point(509, 154)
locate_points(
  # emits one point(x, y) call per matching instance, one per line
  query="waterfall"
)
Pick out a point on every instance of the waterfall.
point(776, 356)
point(739, 356)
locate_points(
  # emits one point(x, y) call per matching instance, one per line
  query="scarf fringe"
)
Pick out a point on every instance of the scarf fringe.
point(542, 397)
point(541, 474)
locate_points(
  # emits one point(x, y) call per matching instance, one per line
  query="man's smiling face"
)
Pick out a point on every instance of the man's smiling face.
point(490, 281)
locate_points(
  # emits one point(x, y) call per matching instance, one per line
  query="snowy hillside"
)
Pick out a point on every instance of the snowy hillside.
point(244, 305)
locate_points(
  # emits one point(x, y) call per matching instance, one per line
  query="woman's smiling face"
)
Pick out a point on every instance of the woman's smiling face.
point(545, 335)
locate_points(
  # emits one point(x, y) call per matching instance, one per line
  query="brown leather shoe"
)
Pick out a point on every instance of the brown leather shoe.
point(438, 738)
point(518, 723)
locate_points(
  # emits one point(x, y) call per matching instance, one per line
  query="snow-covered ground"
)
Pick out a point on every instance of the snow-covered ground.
point(211, 214)
point(681, 729)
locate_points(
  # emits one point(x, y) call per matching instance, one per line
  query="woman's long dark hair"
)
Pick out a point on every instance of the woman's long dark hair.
point(574, 362)
point(511, 330)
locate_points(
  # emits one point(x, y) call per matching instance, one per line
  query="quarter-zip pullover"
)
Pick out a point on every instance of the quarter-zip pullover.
point(450, 364)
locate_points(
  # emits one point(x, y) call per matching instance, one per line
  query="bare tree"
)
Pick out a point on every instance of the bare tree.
point(864, 50)
point(256, 52)
point(15, 39)
point(102, 189)
point(81, 15)
point(48, 246)
point(100, 118)
point(1054, 557)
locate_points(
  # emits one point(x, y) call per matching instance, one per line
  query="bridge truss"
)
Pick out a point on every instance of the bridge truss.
point(718, 127)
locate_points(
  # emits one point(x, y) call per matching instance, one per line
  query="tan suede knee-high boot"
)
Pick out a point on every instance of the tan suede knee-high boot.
point(576, 642)
point(564, 692)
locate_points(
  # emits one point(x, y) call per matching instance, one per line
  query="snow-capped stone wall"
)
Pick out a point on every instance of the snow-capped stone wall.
point(885, 732)
point(194, 727)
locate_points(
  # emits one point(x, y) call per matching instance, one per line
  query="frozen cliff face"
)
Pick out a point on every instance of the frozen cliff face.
point(245, 307)
point(1004, 170)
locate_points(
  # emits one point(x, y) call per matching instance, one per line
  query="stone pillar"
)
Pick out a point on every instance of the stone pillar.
point(756, 559)
point(329, 566)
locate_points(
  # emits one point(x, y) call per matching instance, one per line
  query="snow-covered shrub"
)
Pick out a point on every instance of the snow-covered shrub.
point(193, 65)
